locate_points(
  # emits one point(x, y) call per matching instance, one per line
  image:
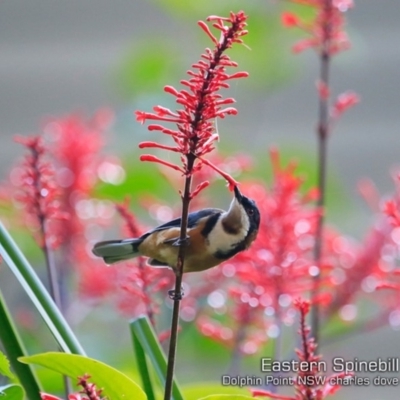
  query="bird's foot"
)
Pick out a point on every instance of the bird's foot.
point(174, 295)
point(181, 242)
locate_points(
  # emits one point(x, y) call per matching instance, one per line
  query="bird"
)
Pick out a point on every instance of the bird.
point(213, 236)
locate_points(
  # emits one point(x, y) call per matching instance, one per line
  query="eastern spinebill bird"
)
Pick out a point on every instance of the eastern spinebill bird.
point(213, 236)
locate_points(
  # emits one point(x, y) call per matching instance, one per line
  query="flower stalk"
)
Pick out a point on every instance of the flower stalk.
point(322, 138)
point(327, 37)
point(178, 286)
point(195, 137)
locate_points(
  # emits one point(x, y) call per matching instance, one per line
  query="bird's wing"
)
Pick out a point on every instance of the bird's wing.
point(193, 219)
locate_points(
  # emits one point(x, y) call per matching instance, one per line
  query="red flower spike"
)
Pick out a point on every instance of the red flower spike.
point(201, 103)
point(76, 143)
point(39, 194)
point(326, 30)
point(307, 355)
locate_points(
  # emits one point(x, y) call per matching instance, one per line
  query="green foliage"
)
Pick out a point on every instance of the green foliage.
point(143, 367)
point(5, 367)
point(11, 392)
point(14, 348)
point(196, 392)
point(38, 294)
point(147, 343)
point(116, 385)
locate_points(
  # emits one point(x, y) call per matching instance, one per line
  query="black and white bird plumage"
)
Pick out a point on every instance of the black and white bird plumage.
point(214, 235)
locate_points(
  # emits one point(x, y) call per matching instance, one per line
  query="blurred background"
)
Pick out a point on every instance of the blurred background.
point(61, 57)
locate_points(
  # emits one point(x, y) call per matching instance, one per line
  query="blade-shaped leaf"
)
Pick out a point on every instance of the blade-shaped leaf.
point(11, 392)
point(143, 368)
point(14, 349)
point(36, 291)
point(115, 385)
point(143, 331)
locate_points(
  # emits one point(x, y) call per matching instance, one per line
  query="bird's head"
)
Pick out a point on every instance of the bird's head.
point(243, 216)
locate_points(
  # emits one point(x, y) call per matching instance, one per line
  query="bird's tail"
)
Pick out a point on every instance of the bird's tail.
point(113, 251)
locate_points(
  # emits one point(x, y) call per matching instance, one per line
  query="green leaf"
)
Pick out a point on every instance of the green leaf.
point(145, 335)
point(5, 366)
point(116, 385)
point(14, 349)
point(38, 294)
point(11, 392)
point(227, 397)
point(143, 367)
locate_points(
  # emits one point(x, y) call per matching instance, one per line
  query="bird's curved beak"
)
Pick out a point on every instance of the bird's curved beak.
point(238, 195)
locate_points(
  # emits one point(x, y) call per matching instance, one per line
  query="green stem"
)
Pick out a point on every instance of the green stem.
point(14, 349)
point(38, 294)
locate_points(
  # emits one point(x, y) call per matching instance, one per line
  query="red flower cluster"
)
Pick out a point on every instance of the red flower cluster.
point(307, 384)
point(278, 266)
point(327, 37)
point(195, 135)
point(326, 30)
point(89, 391)
point(37, 191)
point(264, 280)
point(76, 143)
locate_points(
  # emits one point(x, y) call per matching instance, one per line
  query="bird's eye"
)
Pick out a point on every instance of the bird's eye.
point(250, 211)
